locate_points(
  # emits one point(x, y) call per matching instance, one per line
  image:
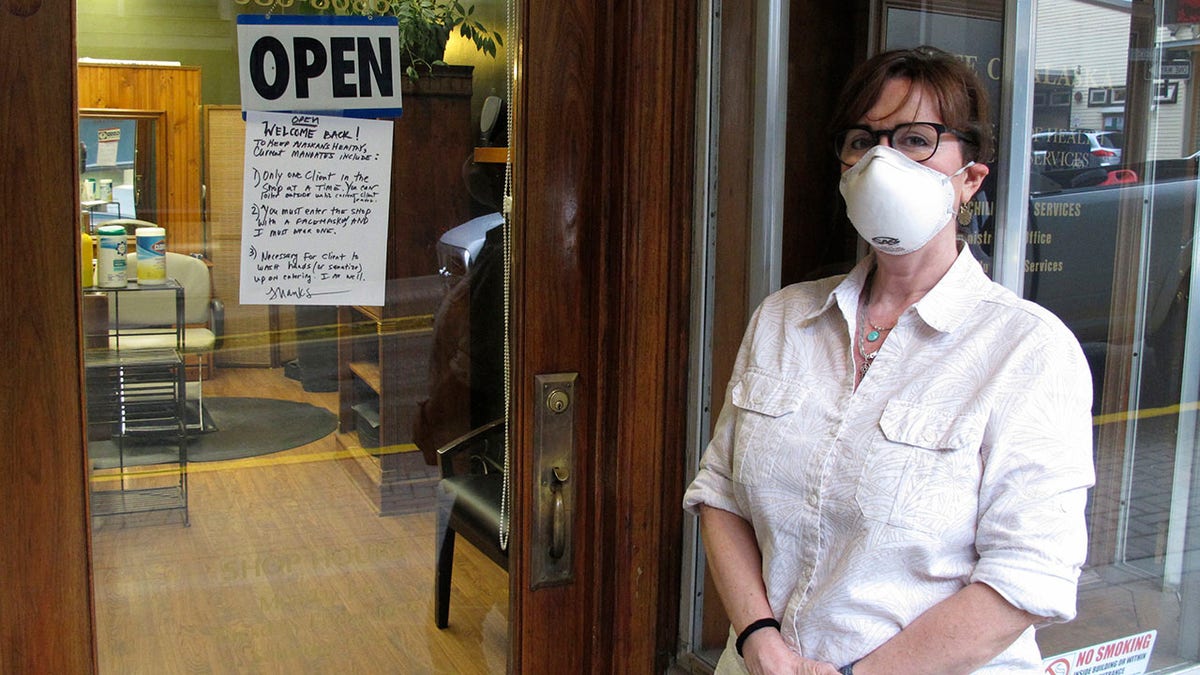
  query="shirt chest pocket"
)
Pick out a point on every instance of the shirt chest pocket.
point(766, 412)
point(922, 472)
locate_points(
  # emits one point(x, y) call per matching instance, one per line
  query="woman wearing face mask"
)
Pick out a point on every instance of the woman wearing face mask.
point(896, 482)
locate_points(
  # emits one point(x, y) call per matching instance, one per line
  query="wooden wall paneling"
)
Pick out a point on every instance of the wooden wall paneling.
point(431, 141)
point(283, 324)
point(175, 89)
point(247, 327)
point(46, 614)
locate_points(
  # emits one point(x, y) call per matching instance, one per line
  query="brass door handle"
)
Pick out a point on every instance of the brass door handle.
point(558, 514)
point(555, 492)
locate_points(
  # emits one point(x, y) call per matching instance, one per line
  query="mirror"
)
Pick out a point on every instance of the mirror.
point(122, 165)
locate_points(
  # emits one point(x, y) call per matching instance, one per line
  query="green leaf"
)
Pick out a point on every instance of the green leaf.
point(424, 25)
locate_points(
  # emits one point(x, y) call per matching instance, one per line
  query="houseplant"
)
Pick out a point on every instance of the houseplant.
point(425, 27)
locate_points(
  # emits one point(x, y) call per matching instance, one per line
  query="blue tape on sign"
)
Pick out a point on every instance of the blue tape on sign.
point(366, 113)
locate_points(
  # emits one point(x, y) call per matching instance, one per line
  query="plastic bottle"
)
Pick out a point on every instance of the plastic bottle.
point(152, 256)
point(87, 260)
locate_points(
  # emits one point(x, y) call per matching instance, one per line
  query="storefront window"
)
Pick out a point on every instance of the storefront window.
point(266, 487)
point(1112, 216)
point(1094, 193)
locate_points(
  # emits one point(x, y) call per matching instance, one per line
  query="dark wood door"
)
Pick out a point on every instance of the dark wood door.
point(603, 143)
point(603, 175)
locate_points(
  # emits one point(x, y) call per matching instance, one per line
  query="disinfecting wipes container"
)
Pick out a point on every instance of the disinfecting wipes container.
point(110, 257)
point(152, 256)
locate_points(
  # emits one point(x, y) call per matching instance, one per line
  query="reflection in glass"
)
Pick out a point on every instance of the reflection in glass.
point(1112, 196)
point(120, 164)
point(312, 529)
point(1109, 250)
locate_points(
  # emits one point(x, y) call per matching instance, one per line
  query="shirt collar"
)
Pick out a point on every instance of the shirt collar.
point(847, 293)
point(943, 308)
point(955, 295)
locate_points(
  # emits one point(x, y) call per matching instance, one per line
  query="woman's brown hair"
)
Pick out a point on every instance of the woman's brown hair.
point(957, 91)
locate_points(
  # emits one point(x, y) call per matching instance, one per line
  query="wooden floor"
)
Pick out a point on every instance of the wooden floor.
point(286, 569)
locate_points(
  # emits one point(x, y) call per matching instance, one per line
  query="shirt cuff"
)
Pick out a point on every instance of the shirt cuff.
point(703, 491)
point(1034, 586)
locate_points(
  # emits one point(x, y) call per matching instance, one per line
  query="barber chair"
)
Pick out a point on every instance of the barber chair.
point(469, 504)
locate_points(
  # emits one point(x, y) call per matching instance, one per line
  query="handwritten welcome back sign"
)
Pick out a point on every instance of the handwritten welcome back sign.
point(315, 210)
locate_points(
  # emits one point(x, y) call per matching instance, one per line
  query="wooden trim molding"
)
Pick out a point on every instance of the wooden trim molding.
point(46, 614)
point(649, 267)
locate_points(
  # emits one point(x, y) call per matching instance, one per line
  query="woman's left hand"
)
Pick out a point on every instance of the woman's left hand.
point(768, 655)
point(807, 667)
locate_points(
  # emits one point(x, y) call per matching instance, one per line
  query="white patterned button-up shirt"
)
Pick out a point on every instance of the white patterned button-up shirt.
point(963, 456)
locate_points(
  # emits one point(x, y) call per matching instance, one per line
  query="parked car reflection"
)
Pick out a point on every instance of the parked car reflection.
point(1071, 252)
point(1062, 153)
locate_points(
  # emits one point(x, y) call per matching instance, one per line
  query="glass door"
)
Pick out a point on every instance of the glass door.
point(591, 195)
point(296, 504)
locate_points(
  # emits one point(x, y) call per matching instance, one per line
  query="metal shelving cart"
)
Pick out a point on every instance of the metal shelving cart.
point(137, 433)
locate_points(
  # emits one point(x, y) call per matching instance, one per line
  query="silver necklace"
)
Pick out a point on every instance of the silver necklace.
point(875, 332)
point(867, 357)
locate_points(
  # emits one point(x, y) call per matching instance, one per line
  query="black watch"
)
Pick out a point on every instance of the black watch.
point(847, 669)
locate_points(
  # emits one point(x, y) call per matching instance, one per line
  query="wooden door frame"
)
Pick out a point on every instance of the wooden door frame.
point(46, 614)
point(604, 170)
point(603, 160)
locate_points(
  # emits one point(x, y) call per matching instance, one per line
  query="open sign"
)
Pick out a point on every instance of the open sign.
point(338, 65)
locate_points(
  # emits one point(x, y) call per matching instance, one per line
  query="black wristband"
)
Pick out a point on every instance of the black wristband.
point(745, 634)
point(847, 669)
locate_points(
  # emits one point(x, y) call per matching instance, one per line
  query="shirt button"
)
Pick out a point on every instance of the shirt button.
point(812, 499)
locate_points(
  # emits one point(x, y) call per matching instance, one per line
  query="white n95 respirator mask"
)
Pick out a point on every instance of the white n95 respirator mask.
point(895, 203)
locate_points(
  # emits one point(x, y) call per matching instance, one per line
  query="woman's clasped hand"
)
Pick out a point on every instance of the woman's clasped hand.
point(766, 654)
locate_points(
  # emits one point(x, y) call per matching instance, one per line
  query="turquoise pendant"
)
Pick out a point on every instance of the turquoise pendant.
point(873, 336)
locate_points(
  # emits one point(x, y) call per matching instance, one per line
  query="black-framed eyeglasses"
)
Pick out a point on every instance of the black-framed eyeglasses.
point(917, 140)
